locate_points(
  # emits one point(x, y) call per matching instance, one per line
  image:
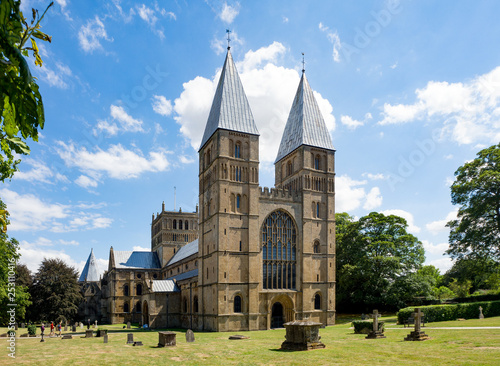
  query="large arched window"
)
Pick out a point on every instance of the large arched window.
point(195, 304)
point(125, 290)
point(237, 304)
point(317, 302)
point(279, 258)
point(138, 289)
point(175, 224)
point(126, 307)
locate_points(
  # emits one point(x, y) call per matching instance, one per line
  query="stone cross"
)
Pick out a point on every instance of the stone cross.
point(418, 319)
point(375, 317)
point(95, 324)
point(481, 316)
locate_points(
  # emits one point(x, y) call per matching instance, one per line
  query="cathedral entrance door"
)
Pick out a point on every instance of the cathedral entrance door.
point(277, 318)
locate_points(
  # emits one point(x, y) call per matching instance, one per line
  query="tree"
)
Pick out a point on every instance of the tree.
point(55, 291)
point(10, 292)
point(23, 276)
point(476, 231)
point(372, 254)
point(21, 107)
point(481, 273)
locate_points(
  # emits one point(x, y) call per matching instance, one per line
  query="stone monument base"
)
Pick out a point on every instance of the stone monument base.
point(375, 335)
point(417, 336)
point(290, 346)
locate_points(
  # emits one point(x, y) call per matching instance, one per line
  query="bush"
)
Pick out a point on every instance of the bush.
point(32, 330)
point(366, 326)
point(436, 313)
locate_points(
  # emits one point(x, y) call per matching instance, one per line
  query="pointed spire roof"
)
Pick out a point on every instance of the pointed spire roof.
point(90, 272)
point(230, 109)
point(305, 125)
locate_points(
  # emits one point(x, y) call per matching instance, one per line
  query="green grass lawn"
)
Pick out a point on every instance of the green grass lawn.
point(343, 347)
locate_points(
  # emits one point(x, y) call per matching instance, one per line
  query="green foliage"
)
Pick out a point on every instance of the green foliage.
point(475, 232)
point(483, 273)
point(9, 254)
point(366, 326)
point(460, 288)
point(436, 313)
point(55, 291)
point(32, 329)
point(23, 276)
point(21, 107)
point(443, 292)
point(372, 254)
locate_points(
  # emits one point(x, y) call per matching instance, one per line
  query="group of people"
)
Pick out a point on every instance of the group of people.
point(52, 329)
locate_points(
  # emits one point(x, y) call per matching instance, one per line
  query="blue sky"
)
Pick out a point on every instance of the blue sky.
point(410, 90)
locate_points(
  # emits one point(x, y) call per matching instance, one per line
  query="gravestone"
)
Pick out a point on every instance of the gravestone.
point(302, 336)
point(89, 333)
point(375, 333)
point(105, 338)
point(417, 334)
point(67, 336)
point(65, 327)
point(481, 316)
point(138, 343)
point(23, 325)
point(189, 336)
point(166, 339)
point(73, 328)
point(128, 325)
point(95, 324)
point(16, 327)
point(81, 325)
point(130, 338)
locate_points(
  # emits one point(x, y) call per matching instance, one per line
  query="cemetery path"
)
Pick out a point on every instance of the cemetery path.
point(448, 328)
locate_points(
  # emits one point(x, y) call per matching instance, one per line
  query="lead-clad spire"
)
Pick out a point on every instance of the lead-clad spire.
point(90, 272)
point(305, 124)
point(230, 109)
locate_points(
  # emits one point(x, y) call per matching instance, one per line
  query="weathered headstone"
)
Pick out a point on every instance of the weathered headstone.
point(138, 343)
point(481, 316)
point(65, 327)
point(73, 329)
point(23, 325)
point(375, 333)
point(16, 327)
point(105, 338)
point(417, 334)
point(130, 338)
point(128, 325)
point(95, 324)
point(189, 336)
point(67, 336)
point(89, 333)
point(81, 325)
point(166, 339)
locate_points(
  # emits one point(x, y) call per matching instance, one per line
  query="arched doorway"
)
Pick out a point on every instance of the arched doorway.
point(277, 318)
point(145, 314)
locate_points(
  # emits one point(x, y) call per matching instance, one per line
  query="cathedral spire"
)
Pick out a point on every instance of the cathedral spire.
point(90, 272)
point(305, 124)
point(230, 109)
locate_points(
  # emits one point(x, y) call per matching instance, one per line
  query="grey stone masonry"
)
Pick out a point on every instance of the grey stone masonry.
point(375, 333)
point(130, 338)
point(166, 339)
point(189, 336)
point(128, 325)
point(105, 338)
point(89, 333)
point(417, 334)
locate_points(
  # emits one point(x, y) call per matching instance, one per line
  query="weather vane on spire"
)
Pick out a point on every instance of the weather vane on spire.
point(228, 38)
point(303, 63)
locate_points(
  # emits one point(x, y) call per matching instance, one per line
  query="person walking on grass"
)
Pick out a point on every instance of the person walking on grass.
point(52, 329)
point(59, 328)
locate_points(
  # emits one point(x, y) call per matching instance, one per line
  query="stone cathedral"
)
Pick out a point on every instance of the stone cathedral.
point(249, 258)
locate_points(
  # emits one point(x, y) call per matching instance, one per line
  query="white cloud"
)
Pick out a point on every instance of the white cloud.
point(444, 264)
point(116, 162)
point(285, 19)
point(126, 122)
point(86, 182)
point(434, 248)
point(334, 39)
point(373, 199)
point(29, 213)
point(162, 105)
point(350, 195)
point(351, 123)
point(150, 16)
point(378, 176)
point(39, 173)
point(439, 226)
point(468, 112)
point(138, 248)
point(228, 13)
point(270, 90)
point(186, 160)
point(412, 228)
point(69, 242)
point(90, 35)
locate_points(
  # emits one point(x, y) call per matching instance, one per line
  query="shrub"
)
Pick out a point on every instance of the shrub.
point(436, 313)
point(366, 326)
point(32, 329)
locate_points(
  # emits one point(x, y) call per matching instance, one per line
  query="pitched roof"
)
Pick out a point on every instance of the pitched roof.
point(145, 260)
point(90, 272)
point(305, 125)
point(230, 109)
point(186, 251)
point(165, 286)
point(183, 276)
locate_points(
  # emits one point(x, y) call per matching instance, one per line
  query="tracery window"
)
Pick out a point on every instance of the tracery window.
point(279, 259)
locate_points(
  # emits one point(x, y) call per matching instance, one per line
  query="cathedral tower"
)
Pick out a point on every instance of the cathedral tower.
point(228, 201)
point(305, 164)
